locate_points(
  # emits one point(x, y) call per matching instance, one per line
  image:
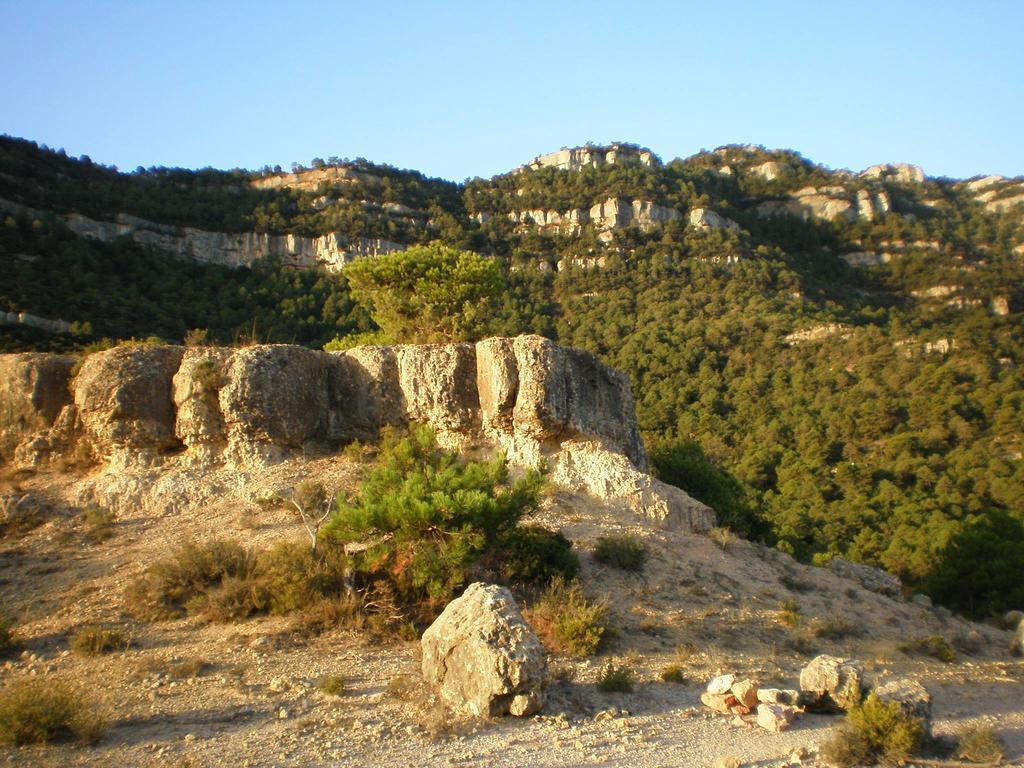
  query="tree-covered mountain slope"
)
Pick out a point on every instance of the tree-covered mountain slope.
point(832, 359)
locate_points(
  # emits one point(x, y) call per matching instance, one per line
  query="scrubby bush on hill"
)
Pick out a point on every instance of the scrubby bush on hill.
point(39, 711)
point(424, 519)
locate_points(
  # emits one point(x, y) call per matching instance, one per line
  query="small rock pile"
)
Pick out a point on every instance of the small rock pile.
point(773, 709)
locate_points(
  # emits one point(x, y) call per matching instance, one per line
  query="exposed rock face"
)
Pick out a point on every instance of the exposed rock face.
point(872, 579)
point(483, 657)
point(903, 173)
point(705, 218)
point(818, 333)
point(274, 401)
point(912, 697)
point(438, 384)
point(587, 466)
point(33, 390)
point(828, 203)
point(231, 249)
point(255, 406)
point(578, 158)
point(771, 170)
point(199, 422)
point(614, 213)
point(831, 684)
point(311, 179)
point(123, 397)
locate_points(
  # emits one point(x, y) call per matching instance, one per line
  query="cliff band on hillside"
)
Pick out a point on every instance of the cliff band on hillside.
point(145, 407)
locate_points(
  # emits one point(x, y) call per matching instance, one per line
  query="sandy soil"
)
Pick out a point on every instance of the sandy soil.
point(251, 697)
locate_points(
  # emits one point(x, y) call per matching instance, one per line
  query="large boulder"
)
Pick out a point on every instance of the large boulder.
point(274, 401)
point(33, 390)
point(829, 684)
point(912, 698)
point(123, 396)
point(484, 659)
point(872, 579)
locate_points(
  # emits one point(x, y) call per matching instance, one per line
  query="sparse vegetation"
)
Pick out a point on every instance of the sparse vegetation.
point(873, 730)
point(533, 554)
point(789, 612)
point(40, 711)
point(673, 673)
point(979, 744)
point(616, 679)
point(332, 685)
point(8, 642)
point(99, 523)
point(934, 646)
point(95, 640)
point(625, 552)
point(567, 621)
point(834, 628)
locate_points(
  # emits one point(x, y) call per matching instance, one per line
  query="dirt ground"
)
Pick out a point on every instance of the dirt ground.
point(187, 693)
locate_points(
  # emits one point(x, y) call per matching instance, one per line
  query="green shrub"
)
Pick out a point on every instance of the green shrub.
point(933, 645)
point(979, 744)
point(96, 640)
point(616, 679)
point(188, 580)
point(673, 673)
point(535, 554)
point(625, 552)
point(99, 524)
point(567, 621)
point(39, 711)
point(426, 517)
point(874, 729)
point(332, 685)
point(8, 642)
point(789, 612)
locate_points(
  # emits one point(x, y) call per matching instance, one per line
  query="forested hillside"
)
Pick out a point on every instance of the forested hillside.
point(832, 360)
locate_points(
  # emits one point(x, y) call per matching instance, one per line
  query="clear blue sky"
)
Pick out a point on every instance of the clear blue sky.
point(460, 89)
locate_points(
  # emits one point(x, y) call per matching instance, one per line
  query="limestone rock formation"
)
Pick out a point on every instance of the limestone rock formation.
point(771, 170)
point(255, 406)
point(608, 215)
point(274, 400)
point(912, 697)
point(33, 390)
point(578, 158)
point(903, 173)
point(872, 579)
point(484, 659)
point(830, 684)
point(705, 218)
point(199, 422)
point(828, 203)
point(312, 178)
point(332, 251)
point(124, 399)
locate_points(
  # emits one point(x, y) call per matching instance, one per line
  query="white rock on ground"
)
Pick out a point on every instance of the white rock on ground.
point(828, 683)
point(483, 657)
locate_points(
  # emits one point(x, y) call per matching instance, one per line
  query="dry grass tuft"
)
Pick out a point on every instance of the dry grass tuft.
point(40, 711)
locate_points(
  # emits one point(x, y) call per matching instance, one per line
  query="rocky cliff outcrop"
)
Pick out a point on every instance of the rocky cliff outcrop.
point(705, 218)
point(152, 405)
point(902, 173)
point(312, 179)
point(829, 203)
point(332, 251)
point(578, 158)
point(613, 213)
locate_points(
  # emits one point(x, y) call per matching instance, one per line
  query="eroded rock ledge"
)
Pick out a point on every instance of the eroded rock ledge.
point(156, 406)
